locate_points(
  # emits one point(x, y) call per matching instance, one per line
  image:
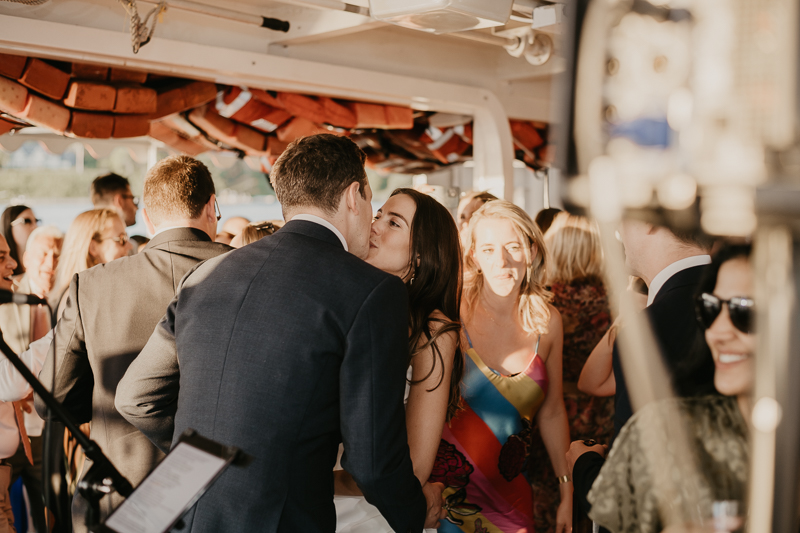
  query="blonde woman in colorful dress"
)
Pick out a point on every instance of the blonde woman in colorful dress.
point(512, 374)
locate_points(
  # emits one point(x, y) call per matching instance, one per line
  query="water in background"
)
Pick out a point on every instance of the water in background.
point(61, 212)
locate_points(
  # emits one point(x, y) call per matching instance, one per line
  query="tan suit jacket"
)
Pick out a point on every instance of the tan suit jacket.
point(111, 312)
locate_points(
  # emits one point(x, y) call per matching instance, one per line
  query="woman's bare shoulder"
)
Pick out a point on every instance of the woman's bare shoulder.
point(555, 319)
point(438, 316)
point(438, 320)
point(554, 331)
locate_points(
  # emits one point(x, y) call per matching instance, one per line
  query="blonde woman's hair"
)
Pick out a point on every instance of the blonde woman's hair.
point(75, 256)
point(573, 242)
point(533, 297)
point(258, 230)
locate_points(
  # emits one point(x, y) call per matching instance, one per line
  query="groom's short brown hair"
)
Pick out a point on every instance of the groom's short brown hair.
point(315, 171)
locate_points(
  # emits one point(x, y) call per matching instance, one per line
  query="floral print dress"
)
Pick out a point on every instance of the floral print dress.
point(483, 449)
point(649, 481)
point(585, 315)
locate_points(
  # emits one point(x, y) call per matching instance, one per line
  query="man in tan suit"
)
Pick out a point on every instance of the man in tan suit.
point(112, 309)
point(21, 325)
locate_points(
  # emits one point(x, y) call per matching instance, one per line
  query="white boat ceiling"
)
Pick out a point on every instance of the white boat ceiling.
point(327, 51)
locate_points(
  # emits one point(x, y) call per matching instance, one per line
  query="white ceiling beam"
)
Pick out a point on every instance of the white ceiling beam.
point(309, 20)
point(353, 6)
point(334, 24)
point(165, 56)
point(521, 70)
point(493, 147)
point(528, 108)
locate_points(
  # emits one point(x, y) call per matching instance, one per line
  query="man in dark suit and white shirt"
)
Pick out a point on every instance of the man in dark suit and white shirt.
point(112, 309)
point(671, 266)
point(284, 348)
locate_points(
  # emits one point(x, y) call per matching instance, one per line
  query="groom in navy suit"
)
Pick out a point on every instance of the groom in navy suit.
point(671, 266)
point(284, 348)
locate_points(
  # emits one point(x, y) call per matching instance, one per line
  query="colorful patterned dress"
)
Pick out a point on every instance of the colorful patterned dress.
point(585, 314)
point(483, 450)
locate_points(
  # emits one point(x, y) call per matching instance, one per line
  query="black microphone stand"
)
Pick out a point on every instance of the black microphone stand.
point(103, 477)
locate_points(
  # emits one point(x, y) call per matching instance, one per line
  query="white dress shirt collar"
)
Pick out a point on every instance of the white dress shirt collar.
point(323, 222)
point(661, 278)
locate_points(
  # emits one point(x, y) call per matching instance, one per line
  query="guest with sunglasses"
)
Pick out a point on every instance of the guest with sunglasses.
point(18, 222)
point(626, 496)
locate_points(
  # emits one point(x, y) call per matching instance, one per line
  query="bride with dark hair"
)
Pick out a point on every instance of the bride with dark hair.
point(415, 238)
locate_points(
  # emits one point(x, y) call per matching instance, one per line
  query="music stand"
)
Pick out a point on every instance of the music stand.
point(173, 487)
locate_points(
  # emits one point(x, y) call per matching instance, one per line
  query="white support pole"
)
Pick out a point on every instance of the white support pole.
point(152, 155)
point(493, 149)
point(79, 154)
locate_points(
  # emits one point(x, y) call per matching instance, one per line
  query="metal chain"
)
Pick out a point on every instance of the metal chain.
point(140, 33)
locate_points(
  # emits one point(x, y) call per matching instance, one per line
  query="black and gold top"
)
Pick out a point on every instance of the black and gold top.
point(651, 481)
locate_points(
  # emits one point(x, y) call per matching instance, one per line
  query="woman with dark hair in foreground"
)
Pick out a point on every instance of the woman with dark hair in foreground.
point(415, 238)
point(630, 493)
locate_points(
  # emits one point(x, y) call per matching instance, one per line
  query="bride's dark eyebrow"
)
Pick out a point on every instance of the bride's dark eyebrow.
point(398, 215)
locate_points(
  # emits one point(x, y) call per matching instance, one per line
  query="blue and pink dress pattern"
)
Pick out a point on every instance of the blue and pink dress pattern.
point(483, 450)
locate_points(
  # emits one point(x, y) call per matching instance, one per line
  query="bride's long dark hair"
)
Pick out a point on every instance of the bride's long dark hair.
point(434, 284)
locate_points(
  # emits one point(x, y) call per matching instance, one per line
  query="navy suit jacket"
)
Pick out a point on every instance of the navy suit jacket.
point(682, 342)
point(284, 348)
point(684, 352)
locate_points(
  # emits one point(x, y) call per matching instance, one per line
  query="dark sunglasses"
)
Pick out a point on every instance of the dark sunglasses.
point(740, 309)
point(134, 199)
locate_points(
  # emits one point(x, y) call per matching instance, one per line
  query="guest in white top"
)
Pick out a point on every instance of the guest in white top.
point(21, 325)
point(9, 429)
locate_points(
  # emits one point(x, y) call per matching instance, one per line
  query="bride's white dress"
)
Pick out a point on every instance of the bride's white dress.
point(354, 514)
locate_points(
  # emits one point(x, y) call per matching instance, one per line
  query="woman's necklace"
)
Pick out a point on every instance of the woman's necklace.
point(486, 311)
point(489, 314)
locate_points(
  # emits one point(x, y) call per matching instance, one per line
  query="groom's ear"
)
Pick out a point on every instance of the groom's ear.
point(151, 228)
point(351, 195)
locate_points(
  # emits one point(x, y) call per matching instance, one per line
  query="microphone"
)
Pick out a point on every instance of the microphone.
point(8, 297)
